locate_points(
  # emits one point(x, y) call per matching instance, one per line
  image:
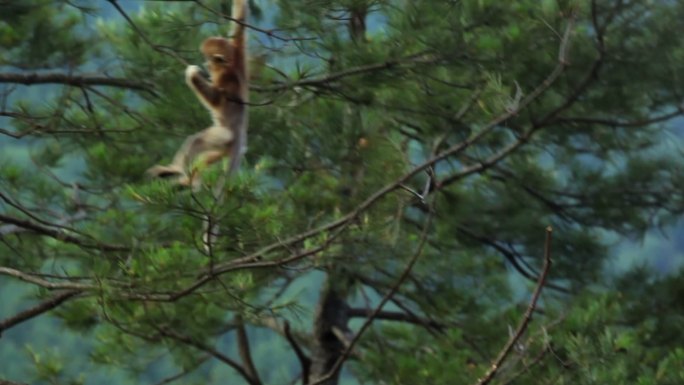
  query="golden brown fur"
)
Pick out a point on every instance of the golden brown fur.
point(225, 97)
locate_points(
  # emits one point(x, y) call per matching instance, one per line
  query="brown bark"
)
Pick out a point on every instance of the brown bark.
point(332, 313)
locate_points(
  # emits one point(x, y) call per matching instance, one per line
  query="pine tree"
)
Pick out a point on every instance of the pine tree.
point(387, 224)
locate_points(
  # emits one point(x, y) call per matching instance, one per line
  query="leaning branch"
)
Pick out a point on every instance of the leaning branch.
point(525, 321)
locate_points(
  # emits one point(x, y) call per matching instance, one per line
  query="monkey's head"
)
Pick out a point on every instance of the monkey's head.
point(218, 52)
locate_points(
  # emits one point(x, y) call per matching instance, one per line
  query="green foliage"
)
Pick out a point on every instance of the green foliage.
point(38, 34)
point(605, 338)
point(342, 114)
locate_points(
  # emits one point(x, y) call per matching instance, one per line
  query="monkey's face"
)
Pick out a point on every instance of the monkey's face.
point(218, 53)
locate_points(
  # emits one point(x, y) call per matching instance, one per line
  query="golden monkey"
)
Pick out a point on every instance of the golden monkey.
point(225, 97)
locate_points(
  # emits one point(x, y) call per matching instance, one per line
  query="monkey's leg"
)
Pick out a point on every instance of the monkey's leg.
point(208, 145)
point(205, 148)
point(179, 164)
point(216, 142)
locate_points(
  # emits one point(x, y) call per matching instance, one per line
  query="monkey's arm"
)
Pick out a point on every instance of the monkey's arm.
point(206, 93)
point(239, 13)
point(239, 36)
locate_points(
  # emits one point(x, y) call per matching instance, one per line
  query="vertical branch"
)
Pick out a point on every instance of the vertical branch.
point(527, 317)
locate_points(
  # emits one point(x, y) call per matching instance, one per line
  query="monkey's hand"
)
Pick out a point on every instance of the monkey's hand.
point(190, 72)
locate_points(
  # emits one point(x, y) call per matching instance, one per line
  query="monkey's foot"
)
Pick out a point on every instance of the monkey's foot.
point(159, 171)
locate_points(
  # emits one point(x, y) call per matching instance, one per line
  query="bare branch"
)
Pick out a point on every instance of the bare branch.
point(525, 321)
point(37, 310)
point(28, 78)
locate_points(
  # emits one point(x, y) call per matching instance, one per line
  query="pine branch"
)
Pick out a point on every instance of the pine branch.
point(73, 80)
